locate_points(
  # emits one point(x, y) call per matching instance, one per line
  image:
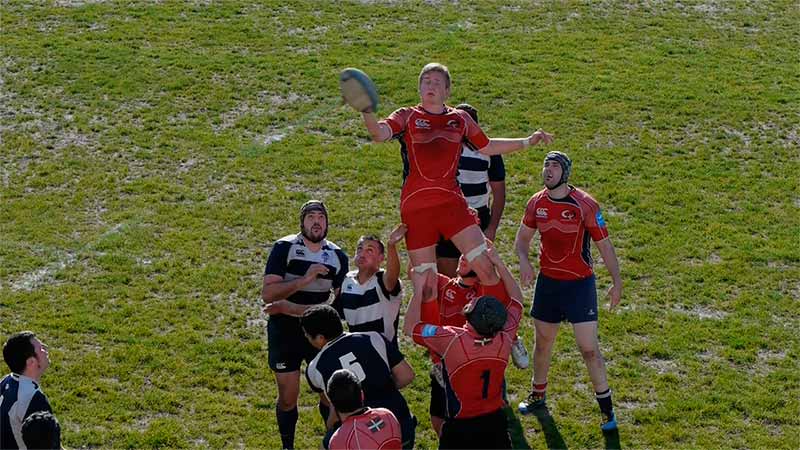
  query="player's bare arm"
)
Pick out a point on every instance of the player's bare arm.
point(501, 146)
point(392, 273)
point(612, 264)
point(380, 132)
point(275, 290)
point(402, 374)
point(510, 283)
point(522, 245)
point(498, 205)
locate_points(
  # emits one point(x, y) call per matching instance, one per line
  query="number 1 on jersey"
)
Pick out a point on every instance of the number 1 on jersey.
point(485, 377)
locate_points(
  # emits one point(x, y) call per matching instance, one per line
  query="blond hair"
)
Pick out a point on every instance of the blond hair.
point(436, 67)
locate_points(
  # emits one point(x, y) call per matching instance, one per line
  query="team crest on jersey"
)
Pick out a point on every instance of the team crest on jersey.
point(422, 123)
point(568, 214)
point(541, 213)
point(325, 256)
point(375, 425)
point(452, 123)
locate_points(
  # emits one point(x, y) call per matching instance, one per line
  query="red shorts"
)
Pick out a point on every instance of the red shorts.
point(426, 225)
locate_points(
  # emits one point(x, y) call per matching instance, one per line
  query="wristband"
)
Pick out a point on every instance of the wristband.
point(526, 142)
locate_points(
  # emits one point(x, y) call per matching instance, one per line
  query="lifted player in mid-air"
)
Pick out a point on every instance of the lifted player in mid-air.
point(431, 203)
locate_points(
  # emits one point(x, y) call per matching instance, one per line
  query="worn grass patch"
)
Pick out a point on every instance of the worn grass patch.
point(151, 153)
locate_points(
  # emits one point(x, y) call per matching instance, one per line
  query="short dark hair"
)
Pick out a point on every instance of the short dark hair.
point(487, 315)
point(373, 238)
point(344, 391)
point(41, 430)
point(17, 349)
point(471, 110)
point(322, 320)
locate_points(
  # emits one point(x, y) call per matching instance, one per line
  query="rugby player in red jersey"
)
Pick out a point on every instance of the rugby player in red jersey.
point(567, 219)
point(362, 427)
point(474, 359)
point(431, 202)
point(453, 295)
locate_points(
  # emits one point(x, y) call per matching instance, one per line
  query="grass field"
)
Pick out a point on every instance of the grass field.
point(152, 152)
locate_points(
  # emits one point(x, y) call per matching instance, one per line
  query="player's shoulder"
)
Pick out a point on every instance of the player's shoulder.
point(328, 245)
point(537, 197)
point(289, 239)
point(584, 198)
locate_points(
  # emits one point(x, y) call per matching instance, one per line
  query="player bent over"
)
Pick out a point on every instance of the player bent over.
point(380, 367)
point(431, 202)
point(362, 427)
point(474, 359)
point(567, 219)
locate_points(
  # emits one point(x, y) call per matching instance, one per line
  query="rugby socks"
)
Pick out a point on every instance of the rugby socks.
point(604, 400)
point(287, 421)
point(539, 389)
point(324, 411)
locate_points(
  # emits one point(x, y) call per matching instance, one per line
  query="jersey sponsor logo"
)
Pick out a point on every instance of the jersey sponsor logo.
point(590, 312)
point(422, 123)
point(452, 123)
point(541, 212)
point(450, 294)
point(376, 425)
point(600, 221)
point(568, 214)
point(429, 330)
point(300, 252)
point(280, 366)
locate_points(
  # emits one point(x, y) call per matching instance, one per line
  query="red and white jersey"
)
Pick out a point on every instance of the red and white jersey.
point(566, 226)
point(433, 143)
point(374, 428)
point(473, 366)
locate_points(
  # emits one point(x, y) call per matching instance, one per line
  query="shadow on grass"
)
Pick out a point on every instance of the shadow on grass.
point(612, 440)
point(551, 434)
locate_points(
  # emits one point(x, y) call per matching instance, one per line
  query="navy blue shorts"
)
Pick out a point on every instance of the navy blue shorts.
point(288, 346)
point(555, 301)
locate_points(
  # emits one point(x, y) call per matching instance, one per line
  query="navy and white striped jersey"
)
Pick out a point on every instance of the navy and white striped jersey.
point(290, 259)
point(475, 171)
point(370, 306)
point(20, 397)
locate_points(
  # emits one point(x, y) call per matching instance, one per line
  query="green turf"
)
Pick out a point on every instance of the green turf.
point(152, 152)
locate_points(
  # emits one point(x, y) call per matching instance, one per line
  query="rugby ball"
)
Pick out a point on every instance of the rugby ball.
point(358, 90)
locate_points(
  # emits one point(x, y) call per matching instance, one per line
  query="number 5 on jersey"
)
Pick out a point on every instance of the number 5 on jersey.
point(349, 362)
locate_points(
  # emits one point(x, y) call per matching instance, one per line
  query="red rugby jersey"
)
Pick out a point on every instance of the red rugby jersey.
point(375, 428)
point(474, 367)
point(433, 142)
point(566, 226)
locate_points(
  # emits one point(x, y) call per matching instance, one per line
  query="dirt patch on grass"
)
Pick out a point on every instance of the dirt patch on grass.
point(661, 366)
point(701, 312)
point(37, 278)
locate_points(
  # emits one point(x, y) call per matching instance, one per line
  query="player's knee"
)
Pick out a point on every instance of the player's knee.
point(590, 354)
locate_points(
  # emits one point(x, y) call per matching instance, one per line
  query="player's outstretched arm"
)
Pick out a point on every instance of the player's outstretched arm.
point(522, 245)
point(501, 146)
point(510, 283)
point(612, 264)
point(380, 132)
point(392, 273)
